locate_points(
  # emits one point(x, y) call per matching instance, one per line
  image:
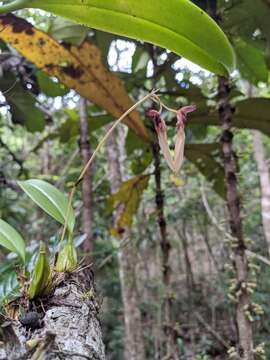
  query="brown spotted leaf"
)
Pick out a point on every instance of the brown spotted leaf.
point(79, 68)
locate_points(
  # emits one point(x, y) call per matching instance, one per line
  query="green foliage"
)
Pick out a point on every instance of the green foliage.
point(170, 25)
point(11, 240)
point(67, 31)
point(50, 199)
point(22, 104)
point(203, 156)
point(251, 62)
point(139, 153)
point(140, 60)
point(249, 114)
point(69, 130)
point(50, 87)
point(249, 21)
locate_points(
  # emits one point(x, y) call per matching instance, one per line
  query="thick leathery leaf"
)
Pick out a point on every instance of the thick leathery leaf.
point(177, 25)
point(50, 199)
point(11, 240)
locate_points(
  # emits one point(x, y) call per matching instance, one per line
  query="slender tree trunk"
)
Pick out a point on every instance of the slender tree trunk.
point(169, 330)
point(245, 333)
point(134, 343)
point(189, 273)
point(263, 172)
point(87, 193)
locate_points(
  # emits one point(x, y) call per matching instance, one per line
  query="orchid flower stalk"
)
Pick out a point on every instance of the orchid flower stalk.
point(176, 161)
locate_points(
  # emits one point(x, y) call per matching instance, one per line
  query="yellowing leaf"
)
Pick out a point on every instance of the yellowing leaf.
point(127, 200)
point(79, 68)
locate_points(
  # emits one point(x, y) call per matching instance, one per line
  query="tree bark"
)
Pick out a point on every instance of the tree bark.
point(245, 333)
point(66, 325)
point(170, 334)
point(87, 193)
point(263, 173)
point(134, 343)
point(189, 273)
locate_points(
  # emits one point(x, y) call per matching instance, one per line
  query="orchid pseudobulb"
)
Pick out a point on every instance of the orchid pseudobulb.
point(176, 161)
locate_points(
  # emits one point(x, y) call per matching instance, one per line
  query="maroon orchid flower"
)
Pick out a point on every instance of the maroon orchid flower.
point(176, 161)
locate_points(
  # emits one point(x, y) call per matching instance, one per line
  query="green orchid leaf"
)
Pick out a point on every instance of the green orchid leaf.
point(177, 25)
point(11, 240)
point(50, 199)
